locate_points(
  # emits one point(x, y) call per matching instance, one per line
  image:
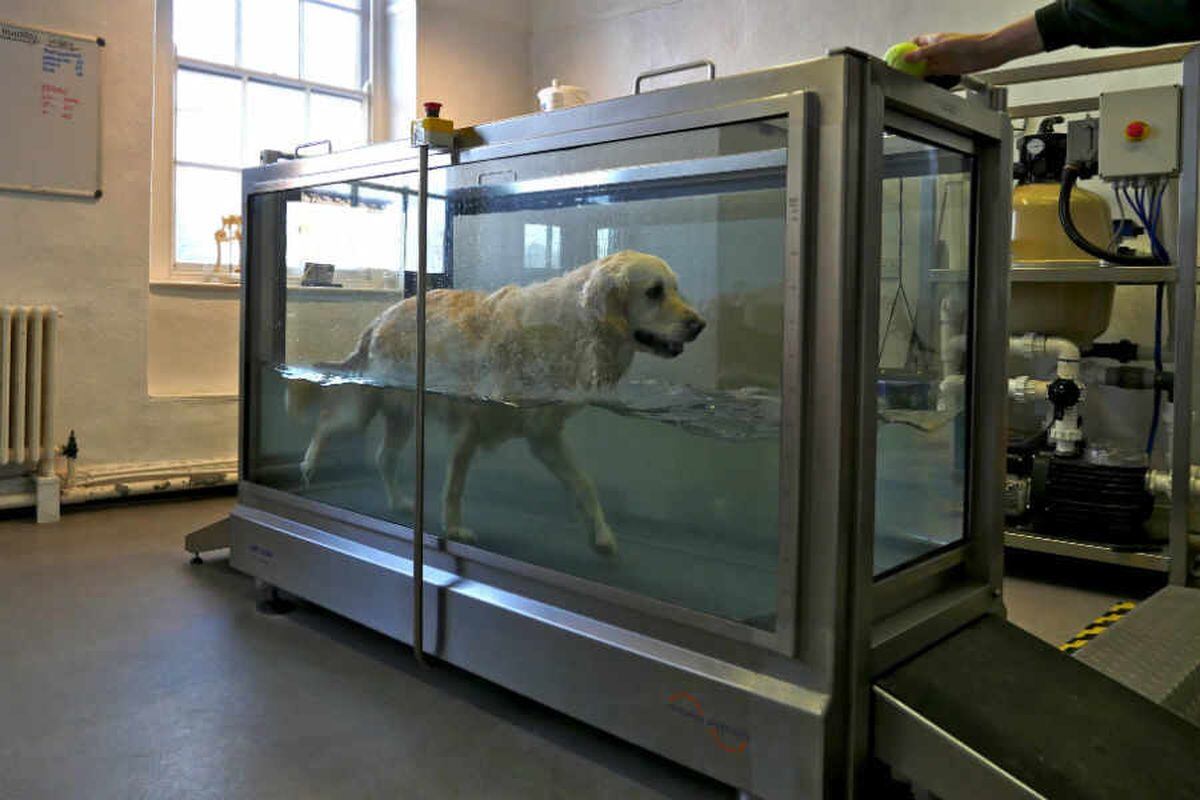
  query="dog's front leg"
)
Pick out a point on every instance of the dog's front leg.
point(551, 449)
point(456, 482)
point(396, 430)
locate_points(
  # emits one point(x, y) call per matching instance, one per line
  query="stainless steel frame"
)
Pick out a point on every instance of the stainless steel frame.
point(1179, 561)
point(778, 714)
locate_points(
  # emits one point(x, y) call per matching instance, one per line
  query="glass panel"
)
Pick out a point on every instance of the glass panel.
point(271, 36)
point(208, 118)
point(355, 229)
point(332, 46)
point(202, 198)
point(921, 447)
point(617, 421)
point(343, 122)
point(205, 29)
point(274, 120)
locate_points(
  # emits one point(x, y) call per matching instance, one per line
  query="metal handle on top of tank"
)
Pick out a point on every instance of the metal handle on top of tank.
point(328, 144)
point(661, 71)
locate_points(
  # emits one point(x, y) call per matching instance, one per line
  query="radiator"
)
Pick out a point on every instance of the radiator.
point(28, 346)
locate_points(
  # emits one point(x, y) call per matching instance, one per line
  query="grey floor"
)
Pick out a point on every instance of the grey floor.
point(127, 673)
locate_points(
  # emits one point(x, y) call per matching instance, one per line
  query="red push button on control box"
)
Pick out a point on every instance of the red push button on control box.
point(1136, 131)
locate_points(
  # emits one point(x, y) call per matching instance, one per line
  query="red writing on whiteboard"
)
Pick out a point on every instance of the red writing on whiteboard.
point(56, 101)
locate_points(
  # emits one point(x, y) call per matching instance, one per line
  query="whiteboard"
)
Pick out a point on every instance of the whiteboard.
point(49, 111)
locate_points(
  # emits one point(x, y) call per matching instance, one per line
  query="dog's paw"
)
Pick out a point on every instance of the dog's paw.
point(307, 471)
point(460, 534)
point(604, 541)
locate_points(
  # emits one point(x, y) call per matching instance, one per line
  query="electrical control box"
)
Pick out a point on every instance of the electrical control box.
point(1139, 133)
point(1083, 147)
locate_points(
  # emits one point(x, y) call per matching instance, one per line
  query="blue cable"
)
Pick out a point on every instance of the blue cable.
point(1158, 366)
point(1138, 203)
point(1162, 191)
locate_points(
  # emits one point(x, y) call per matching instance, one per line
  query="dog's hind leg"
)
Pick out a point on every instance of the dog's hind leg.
point(465, 446)
point(344, 409)
point(397, 427)
point(551, 449)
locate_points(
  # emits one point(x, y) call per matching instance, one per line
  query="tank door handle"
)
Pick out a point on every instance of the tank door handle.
point(658, 73)
point(498, 176)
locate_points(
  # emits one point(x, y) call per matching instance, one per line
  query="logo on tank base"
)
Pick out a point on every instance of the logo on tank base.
point(729, 738)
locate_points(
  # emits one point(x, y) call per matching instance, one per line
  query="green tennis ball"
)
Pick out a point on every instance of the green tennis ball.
point(895, 59)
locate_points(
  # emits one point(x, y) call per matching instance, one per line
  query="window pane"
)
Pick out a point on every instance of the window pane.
point(331, 46)
point(202, 198)
point(341, 121)
point(676, 449)
point(208, 118)
point(274, 119)
point(536, 245)
point(271, 36)
point(205, 29)
point(352, 228)
point(606, 242)
point(921, 447)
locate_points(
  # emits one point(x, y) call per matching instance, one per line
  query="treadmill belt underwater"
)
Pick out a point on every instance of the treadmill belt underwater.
point(1059, 726)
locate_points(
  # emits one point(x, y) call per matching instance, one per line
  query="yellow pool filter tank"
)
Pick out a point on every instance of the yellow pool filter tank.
point(1076, 311)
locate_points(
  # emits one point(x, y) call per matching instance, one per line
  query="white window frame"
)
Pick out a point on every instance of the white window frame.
point(371, 93)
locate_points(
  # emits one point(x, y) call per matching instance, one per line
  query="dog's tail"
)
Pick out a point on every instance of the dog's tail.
point(302, 395)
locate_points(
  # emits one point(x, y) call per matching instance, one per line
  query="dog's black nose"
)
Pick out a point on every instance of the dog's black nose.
point(694, 327)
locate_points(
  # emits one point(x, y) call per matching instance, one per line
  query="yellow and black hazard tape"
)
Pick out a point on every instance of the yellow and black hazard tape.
point(1098, 626)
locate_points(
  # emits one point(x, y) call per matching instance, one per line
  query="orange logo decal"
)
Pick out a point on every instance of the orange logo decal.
point(727, 737)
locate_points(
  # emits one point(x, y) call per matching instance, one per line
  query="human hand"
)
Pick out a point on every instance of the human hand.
point(959, 54)
point(954, 53)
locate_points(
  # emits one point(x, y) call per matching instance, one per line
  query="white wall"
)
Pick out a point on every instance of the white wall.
point(91, 258)
point(604, 45)
point(474, 57)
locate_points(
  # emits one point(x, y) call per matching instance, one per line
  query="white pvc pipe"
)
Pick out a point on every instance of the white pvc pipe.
point(1064, 351)
point(1024, 389)
point(20, 500)
point(1158, 481)
point(951, 349)
point(111, 489)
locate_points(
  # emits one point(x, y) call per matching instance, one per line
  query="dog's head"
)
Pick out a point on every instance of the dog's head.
point(642, 292)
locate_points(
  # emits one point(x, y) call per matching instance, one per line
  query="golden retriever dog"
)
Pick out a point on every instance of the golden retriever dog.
point(513, 363)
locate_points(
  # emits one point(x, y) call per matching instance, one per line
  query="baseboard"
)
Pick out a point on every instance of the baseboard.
point(115, 481)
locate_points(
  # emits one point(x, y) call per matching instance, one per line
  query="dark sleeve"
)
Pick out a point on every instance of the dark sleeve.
point(1118, 23)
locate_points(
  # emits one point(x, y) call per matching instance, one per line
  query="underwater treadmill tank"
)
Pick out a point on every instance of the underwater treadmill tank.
point(682, 350)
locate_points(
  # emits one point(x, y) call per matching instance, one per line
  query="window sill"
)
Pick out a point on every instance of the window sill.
point(223, 287)
point(182, 286)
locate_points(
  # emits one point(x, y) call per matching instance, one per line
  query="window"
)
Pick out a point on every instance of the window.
point(252, 75)
point(543, 247)
point(606, 242)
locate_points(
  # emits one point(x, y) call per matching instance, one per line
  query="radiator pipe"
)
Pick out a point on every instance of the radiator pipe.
point(49, 372)
point(121, 489)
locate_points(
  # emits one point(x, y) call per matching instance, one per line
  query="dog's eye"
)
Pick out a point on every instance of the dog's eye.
point(655, 292)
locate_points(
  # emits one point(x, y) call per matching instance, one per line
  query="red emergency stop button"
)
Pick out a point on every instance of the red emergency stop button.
point(1136, 131)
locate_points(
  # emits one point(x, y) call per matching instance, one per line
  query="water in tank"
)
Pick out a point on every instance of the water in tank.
point(605, 356)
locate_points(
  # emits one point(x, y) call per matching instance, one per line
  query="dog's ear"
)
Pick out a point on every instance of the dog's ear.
point(606, 290)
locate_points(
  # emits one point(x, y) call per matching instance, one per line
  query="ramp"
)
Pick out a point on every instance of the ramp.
point(994, 712)
point(1155, 650)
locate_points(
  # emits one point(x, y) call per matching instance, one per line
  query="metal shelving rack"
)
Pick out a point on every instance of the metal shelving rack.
point(1178, 558)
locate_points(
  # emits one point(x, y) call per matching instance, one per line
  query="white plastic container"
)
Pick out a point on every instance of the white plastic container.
point(560, 95)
